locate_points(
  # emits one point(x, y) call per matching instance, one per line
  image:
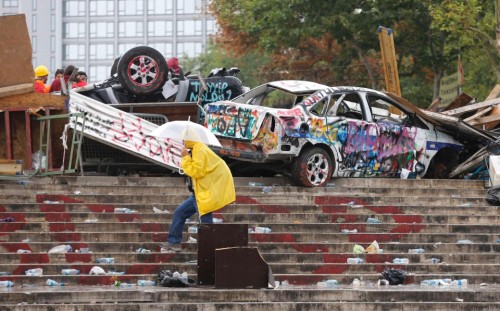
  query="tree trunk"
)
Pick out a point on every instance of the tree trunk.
point(437, 80)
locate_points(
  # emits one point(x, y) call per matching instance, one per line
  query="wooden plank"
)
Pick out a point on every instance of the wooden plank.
point(32, 100)
point(484, 120)
point(16, 89)
point(472, 107)
point(10, 169)
point(480, 113)
point(462, 100)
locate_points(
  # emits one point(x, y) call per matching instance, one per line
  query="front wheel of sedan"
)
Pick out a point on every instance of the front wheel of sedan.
point(312, 168)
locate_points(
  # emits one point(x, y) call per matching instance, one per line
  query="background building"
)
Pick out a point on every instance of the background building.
point(90, 34)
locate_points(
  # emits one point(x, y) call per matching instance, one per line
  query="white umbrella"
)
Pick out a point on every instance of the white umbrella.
point(186, 130)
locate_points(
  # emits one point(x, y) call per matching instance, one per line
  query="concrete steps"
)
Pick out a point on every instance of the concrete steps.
point(449, 219)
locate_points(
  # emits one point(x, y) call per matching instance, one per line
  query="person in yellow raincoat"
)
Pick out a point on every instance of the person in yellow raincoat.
point(212, 186)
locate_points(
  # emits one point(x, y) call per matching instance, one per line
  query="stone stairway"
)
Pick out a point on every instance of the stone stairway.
point(313, 232)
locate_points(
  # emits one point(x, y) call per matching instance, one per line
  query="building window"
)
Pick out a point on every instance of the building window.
point(33, 22)
point(211, 27)
point(130, 7)
point(53, 4)
point(102, 30)
point(163, 48)
point(52, 64)
point(33, 4)
point(33, 44)
point(189, 28)
point(10, 3)
point(124, 47)
point(160, 7)
point(160, 29)
point(52, 44)
point(102, 8)
point(189, 6)
point(74, 52)
point(98, 73)
point(130, 29)
point(74, 8)
point(189, 49)
point(101, 51)
point(74, 30)
point(52, 22)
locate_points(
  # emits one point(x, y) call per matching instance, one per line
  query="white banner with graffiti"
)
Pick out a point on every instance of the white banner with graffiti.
point(123, 130)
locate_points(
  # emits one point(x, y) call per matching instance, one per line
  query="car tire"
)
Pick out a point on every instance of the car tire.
point(312, 168)
point(142, 71)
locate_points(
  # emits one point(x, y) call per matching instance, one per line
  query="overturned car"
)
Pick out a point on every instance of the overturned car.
point(339, 132)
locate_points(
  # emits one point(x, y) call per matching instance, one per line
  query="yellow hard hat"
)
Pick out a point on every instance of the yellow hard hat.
point(41, 71)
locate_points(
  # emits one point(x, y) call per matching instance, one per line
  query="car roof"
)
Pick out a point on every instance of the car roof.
point(297, 86)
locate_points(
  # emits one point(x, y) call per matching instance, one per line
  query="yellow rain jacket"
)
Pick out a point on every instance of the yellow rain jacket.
point(212, 180)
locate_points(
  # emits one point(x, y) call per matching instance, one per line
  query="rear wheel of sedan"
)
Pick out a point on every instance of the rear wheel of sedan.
point(142, 70)
point(312, 168)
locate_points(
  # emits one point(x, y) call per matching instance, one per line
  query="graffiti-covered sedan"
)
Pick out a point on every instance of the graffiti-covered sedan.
point(339, 132)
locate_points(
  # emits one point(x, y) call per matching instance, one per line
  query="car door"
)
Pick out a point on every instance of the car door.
point(352, 133)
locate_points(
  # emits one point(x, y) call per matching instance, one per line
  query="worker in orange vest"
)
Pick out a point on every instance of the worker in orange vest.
point(41, 76)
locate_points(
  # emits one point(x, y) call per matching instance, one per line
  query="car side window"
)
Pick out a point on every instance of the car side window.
point(346, 105)
point(319, 107)
point(383, 111)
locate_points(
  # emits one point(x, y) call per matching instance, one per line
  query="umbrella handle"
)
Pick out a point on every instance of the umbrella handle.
point(181, 171)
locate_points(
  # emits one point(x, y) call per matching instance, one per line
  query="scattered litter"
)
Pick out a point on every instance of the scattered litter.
point(262, 230)
point(436, 282)
point(3, 273)
point(403, 261)
point(416, 251)
point(60, 249)
point(23, 251)
point(97, 270)
point(355, 260)
point(356, 282)
point(115, 273)
point(483, 284)
point(373, 220)
point(7, 219)
point(120, 284)
point(349, 231)
point(84, 250)
point(77, 192)
point(192, 262)
point(6, 284)
point(26, 240)
point(460, 283)
point(465, 242)
point(394, 276)
point(159, 211)
point(340, 220)
point(465, 205)
point(105, 260)
point(34, 272)
point(142, 250)
point(145, 283)
point(93, 220)
point(256, 184)
point(70, 271)
point(217, 220)
point(352, 204)
point(267, 189)
point(432, 260)
point(373, 248)
point(358, 249)
point(328, 284)
point(51, 202)
point(53, 283)
point(459, 299)
point(193, 229)
point(192, 240)
point(436, 245)
point(176, 279)
point(124, 210)
point(382, 282)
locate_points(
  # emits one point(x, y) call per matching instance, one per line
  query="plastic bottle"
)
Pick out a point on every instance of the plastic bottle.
point(6, 284)
point(193, 229)
point(416, 251)
point(373, 220)
point(105, 260)
point(123, 210)
point(349, 231)
point(34, 272)
point(462, 282)
point(355, 260)
point(436, 282)
point(262, 230)
point(70, 272)
point(60, 249)
point(432, 260)
point(146, 283)
point(142, 250)
point(401, 260)
point(53, 283)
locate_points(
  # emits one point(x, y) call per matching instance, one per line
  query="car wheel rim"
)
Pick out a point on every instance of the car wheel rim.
point(317, 169)
point(143, 71)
